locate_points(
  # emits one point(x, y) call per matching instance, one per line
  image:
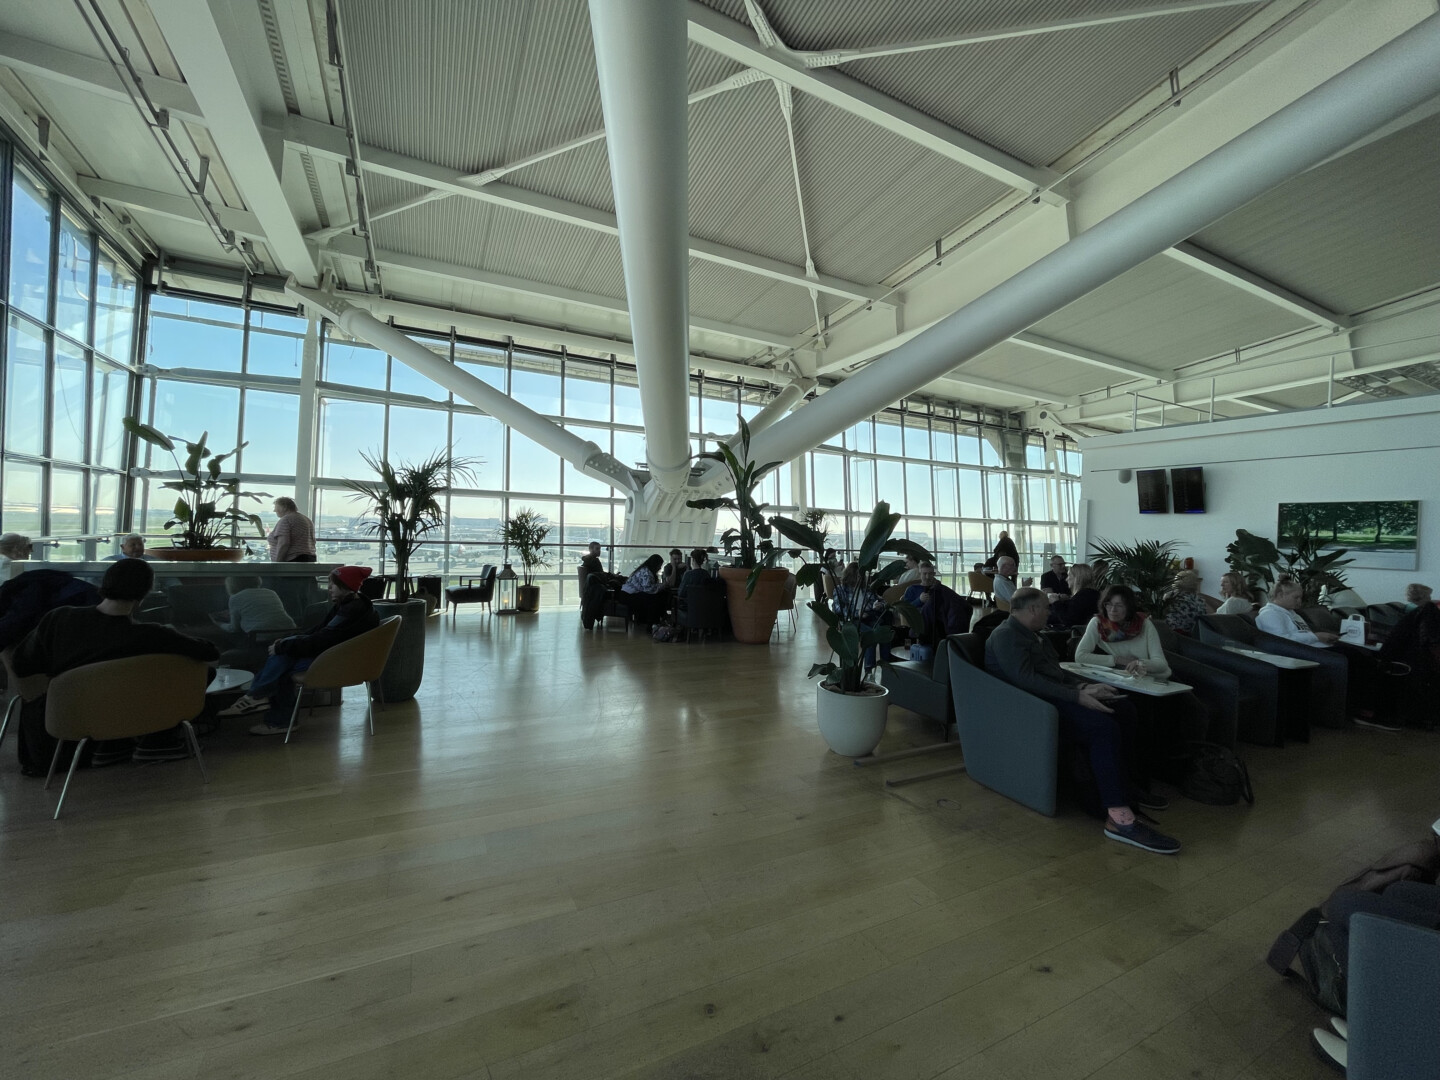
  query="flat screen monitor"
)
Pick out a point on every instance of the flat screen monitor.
point(1154, 491)
point(1188, 490)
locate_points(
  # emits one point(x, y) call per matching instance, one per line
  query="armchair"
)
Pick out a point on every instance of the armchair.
point(1325, 703)
point(703, 609)
point(474, 590)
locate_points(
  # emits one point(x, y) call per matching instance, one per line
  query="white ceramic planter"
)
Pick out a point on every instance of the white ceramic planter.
point(851, 724)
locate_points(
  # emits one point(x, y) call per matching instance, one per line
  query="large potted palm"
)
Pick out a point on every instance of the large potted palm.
point(849, 708)
point(1147, 566)
point(754, 585)
point(207, 505)
point(525, 532)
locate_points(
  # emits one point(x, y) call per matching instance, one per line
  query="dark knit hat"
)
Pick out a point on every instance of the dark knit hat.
point(350, 577)
point(127, 579)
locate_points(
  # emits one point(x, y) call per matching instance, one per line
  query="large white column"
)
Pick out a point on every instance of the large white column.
point(640, 57)
point(1395, 78)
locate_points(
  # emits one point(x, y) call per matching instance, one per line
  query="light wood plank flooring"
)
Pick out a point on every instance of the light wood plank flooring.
point(589, 855)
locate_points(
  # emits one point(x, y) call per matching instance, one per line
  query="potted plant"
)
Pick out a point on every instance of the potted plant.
point(1147, 566)
point(525, 531)
point(202, 491)
point(850, 710)
point(754, 585)
point(1260, 561)
point(404, 505)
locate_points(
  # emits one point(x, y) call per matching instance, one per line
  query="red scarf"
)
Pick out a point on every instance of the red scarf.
point(1112, 631)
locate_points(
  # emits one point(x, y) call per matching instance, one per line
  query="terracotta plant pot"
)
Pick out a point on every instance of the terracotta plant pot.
point(752, 618)
point(527, 598)
point(174, 554)
point(852, 724)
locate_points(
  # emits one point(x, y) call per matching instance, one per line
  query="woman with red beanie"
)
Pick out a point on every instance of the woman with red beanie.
point(272, 691)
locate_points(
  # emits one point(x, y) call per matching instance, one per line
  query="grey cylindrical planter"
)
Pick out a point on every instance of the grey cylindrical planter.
point(402, 674)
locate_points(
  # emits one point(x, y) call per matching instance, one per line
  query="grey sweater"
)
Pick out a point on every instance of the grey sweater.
point(1022, 658)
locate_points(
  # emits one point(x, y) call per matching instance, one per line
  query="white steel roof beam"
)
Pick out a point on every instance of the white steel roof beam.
point(1222, 269)
point(1394, 78)
point(329, 142)
point(216, 80)
point(175, 207)
point(1088, 356)
point(29, 57)
point(831, 57)
point(730, 39)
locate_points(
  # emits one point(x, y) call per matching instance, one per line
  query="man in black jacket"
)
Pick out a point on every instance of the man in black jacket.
point(273, 691)
point(71, 637)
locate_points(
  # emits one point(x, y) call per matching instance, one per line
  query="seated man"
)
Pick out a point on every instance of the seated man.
point(1005, 584)
point(132, 547)
point(1092, 715)
point(673, 571)
point(943, 610)
point(71, 637)
point(592, 564)
point(1056, 579)
point(273, 691)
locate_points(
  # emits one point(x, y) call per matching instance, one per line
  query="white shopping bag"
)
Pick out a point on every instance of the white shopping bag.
point(1352, 629)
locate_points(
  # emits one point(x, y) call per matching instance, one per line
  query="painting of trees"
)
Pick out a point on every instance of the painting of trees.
point(1380, 534)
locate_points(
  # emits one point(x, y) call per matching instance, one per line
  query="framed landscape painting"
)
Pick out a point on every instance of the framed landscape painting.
point(1378, 535)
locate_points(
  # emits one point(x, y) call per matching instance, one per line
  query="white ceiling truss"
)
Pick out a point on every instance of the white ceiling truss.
point(323, 220)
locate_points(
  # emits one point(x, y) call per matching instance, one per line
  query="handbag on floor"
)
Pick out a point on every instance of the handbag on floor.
point(1217, 776)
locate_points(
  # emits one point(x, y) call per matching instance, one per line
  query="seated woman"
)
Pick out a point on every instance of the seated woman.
point(1235, 595)
point(1186, 605)
point(852, 602)
point(643, 593)
point(1080, 606)
point(1123, 636)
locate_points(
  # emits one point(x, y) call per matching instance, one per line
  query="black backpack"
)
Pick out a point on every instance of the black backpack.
point(1322, 947)
point(1217, 777)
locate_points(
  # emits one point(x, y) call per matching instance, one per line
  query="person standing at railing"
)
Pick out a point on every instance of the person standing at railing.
point(293, 537)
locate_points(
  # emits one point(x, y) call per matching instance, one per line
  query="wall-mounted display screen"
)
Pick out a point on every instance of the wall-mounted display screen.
point(1153, 490)
point(1378, 535)
point(1187, 488)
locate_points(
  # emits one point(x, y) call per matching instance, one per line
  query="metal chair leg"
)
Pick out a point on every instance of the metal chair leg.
point(370, 707)
point(74, 761)
point(15, 703)
point(293, 711)
point(194, 741)
point(54, 760)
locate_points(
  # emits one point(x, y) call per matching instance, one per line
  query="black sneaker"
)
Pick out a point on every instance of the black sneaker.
point(1151, 801)
point(167, 751)
point(111, 755)
point(1142, 836)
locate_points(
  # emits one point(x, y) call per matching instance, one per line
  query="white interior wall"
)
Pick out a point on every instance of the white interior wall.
point(1368, 451)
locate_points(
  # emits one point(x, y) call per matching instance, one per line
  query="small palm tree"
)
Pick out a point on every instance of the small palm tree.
point(1148, 567)
point(404, 504)
point(525, 531)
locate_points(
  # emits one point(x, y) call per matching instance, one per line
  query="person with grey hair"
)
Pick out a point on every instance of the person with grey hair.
point(14, 547)
point(1416, 595)
point(1093, 716)
point(1005, 584)
point(293, 537)
point(1186, 604)
point(132, 547)
point(1280, 616)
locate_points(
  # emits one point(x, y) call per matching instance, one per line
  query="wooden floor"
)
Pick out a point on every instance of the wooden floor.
point(590, 855)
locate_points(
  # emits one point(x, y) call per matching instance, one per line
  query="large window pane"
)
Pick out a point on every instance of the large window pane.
point(917, 437)
point(30, 246)
point(627, 398)
point(861, 437)
point(828, 491)
point(967, 444)
point(1035, 452)
point(576, 482)
point(24, 484)
point(942, 440)
point(917, 490)
point(188, 333)
point(587, 390)
point(482, 439)
point(104, 505)
point(189, 410)
point(114, 308)
point(271, 421)
point(532, 467)
point(890, 485)
point(276, 345)
point(67, 403)
point(535, 381)
point(887, 436)
point(485, 362)
point(110, 390)
point(352, 363)
point(1039, 499)
point(997, 491)
point(473, 524)
point(67, 492)
point(72, 297)
point(406, 380)
point(972, 503)
point(416, 435)
point(946, 504)
point(630, 448)
point(990, 439)
point(862, 483)
point(25, 388)
point(348, 428)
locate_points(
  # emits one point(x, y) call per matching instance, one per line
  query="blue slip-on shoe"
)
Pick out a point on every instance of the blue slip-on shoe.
point(1142, 836)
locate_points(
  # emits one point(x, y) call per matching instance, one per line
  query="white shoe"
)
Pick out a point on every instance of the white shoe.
point(1341, 1027)
point(263, 728)
point(1330, 1048)
point(245, 706)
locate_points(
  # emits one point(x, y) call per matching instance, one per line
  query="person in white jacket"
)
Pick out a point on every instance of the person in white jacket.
point(1279, 616)
point(1236, 595)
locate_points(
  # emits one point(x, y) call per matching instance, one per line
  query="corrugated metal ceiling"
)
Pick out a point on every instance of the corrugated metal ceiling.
point(1163, 314)
point(1352, 234)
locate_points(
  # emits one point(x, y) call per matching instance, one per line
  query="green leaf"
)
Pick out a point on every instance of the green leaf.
point(146, 433)
point(807, 575)
point(821, 669)
point(181, 511)
point(822, 609)
point(909, 547)
point(798, 533)
point(910, 613)
point(877, 534)
point(886, 574)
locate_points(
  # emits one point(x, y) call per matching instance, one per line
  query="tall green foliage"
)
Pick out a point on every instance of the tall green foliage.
point(404, 504)
point(201, 491)
point(525, 532)
point(1261, 562)
point(857, 622)
point(1147, 566)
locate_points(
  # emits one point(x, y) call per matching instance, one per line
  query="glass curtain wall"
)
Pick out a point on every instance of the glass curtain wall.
point(68, 304)
point(234, 370)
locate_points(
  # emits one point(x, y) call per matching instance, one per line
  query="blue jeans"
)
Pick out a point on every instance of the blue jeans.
point(273, 681)
point(1109, 739)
